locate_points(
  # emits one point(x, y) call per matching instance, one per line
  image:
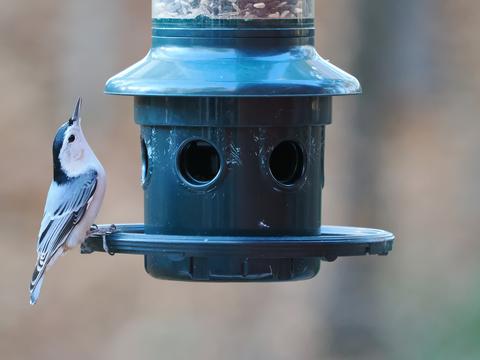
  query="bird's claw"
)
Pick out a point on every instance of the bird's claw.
point(105, 245)
point(110, 231)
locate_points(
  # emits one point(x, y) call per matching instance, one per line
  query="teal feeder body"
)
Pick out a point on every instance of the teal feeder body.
point(232, 115)
point(211, 161)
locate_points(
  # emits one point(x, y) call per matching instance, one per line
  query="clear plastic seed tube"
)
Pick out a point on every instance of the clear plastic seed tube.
point(233, 9)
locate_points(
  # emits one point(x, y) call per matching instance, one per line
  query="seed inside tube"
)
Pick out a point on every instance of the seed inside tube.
point(233, 9)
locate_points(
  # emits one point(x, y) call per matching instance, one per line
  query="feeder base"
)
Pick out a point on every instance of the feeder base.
point(241, 258)
point(231, 269)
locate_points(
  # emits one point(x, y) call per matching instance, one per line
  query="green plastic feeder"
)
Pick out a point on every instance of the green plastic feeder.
point(232, 101)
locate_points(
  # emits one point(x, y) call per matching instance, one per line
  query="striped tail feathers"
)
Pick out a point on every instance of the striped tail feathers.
point(36, 283)
point(43, 265)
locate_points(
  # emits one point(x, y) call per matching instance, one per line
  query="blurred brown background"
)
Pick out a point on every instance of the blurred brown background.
point(404, 156)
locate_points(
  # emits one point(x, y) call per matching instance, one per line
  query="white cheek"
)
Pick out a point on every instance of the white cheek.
point(72, 160)
point(77, 154)
point(65, 156)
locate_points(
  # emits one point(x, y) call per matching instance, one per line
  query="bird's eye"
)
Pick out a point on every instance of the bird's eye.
point(71, 138)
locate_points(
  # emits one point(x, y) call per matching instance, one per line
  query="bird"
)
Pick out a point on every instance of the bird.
point(74, 198)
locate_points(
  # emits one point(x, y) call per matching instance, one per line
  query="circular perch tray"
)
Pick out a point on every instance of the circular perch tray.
point(334, 241)
point(240, 258)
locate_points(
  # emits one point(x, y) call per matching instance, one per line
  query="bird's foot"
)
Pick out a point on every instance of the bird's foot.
point(95, 230)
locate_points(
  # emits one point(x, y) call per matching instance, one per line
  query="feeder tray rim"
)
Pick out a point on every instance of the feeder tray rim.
point(333, 242)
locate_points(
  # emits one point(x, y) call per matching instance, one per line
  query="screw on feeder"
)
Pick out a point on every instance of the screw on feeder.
point(233, 101)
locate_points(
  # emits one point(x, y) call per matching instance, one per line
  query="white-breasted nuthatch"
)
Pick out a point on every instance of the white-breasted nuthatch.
point(74, 198)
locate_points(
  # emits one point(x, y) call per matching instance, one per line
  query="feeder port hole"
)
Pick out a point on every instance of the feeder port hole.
point(287, 163)
point(198, 163)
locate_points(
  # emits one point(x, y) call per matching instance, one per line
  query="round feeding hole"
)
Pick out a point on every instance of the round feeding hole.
point(145, 163)
point(199, 162)
point(287, 162)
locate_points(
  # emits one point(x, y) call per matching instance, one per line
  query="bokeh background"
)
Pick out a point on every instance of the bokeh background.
point(404, 157)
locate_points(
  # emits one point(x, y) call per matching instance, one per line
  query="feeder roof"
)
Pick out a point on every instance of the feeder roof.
point(215, 72)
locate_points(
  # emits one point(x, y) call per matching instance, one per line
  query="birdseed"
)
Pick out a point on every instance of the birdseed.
point(233, 9)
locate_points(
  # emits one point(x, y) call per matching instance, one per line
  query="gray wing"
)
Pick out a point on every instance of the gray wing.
point(65, 207)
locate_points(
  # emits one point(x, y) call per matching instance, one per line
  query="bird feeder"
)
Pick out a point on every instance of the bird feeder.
point(232, 101)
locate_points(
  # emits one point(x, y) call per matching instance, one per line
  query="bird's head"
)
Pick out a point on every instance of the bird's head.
point(72, 155)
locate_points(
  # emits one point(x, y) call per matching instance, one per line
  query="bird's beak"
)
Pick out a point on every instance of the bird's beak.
point(76, 112)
